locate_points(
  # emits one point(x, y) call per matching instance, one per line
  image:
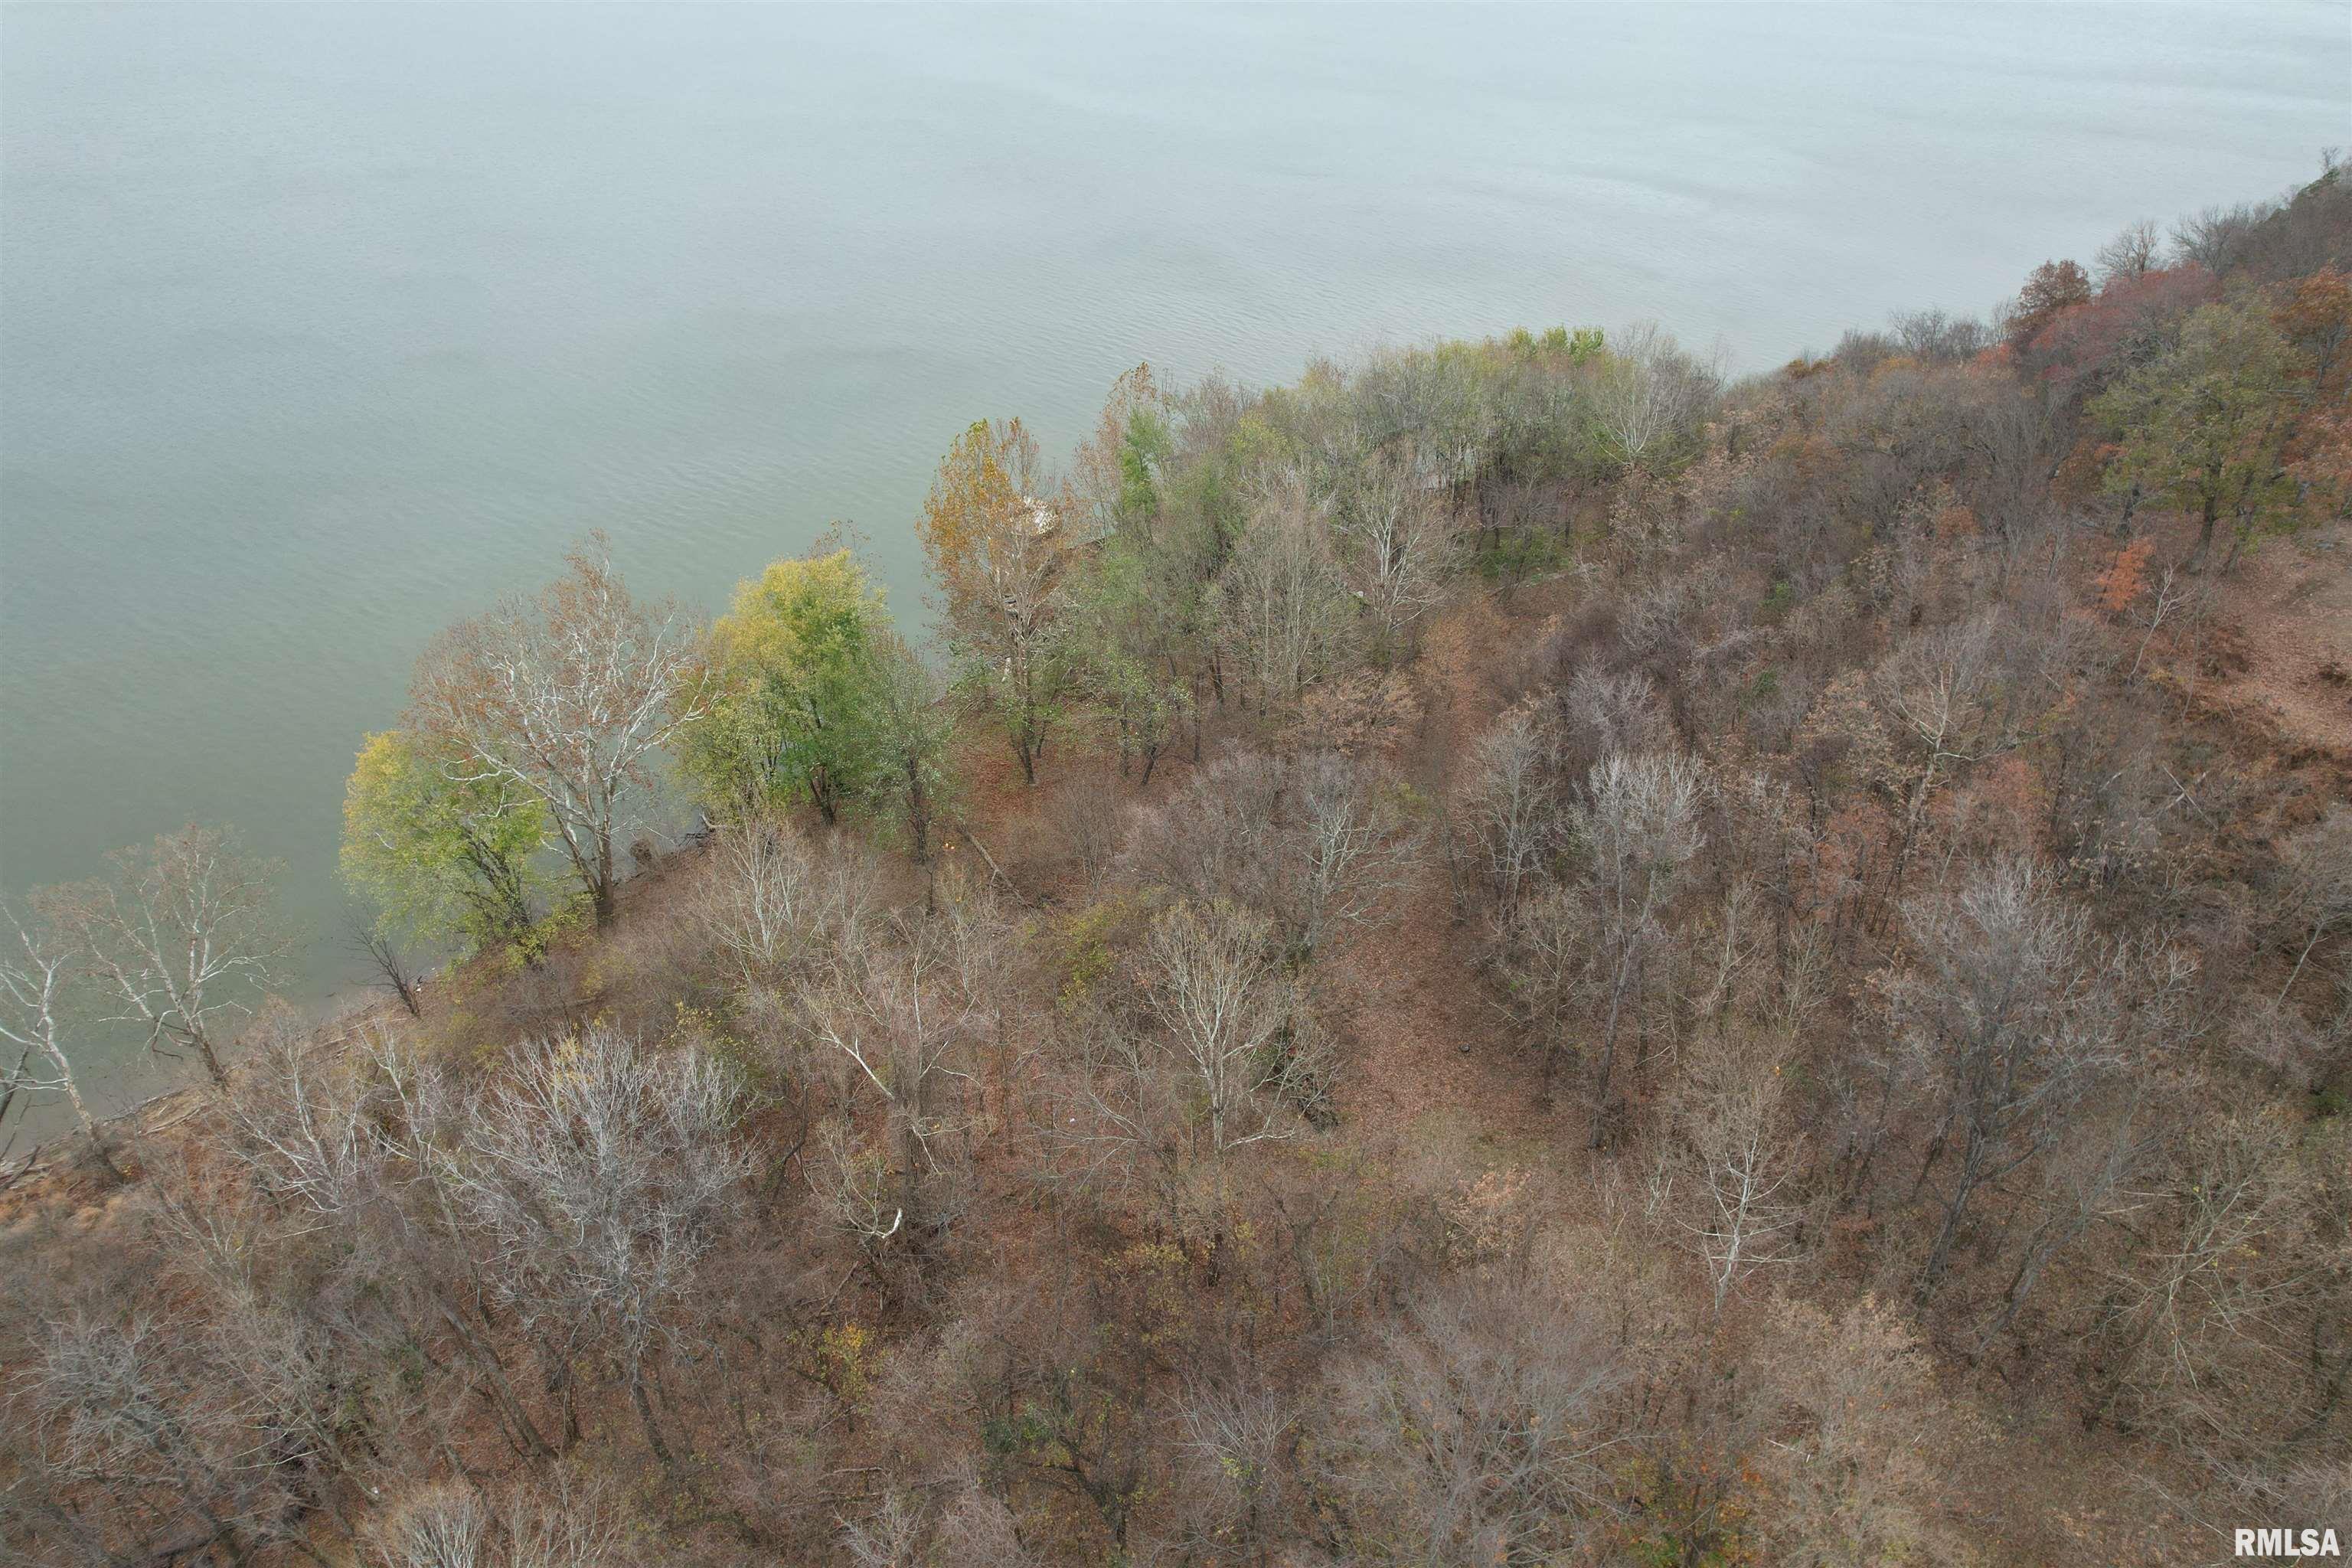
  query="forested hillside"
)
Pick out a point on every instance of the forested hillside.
point(1512, 954)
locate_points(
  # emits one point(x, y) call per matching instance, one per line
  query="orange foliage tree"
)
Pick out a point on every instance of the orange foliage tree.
point(2052, 288)
point(995, 530)
point(2125, 576)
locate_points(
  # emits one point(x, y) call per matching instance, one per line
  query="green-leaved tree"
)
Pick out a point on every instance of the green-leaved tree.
point(443, 851)
point(794, 666)
point(2204, 425)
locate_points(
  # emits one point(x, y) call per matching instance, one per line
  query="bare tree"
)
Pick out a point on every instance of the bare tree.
point(2086, 1184)
point(1053, 1367)
point(606, 1173)
point(1512, 805)
point(1211, 1047)
point(889, 1537)
point(449, 1525)
point(2216, 236)
point(1587, 945)
point(444, 1525)
point(1317, 842)
point(1600, 714)
point(1649, 393)
point(1238, 1437)
point(391, 966)
point(1114, 1120)
point(179, 937)
point(354, 1144)
point(2171, 593)
point(1936, 685)
point(1473, 1434)
point(1736, 1120)
point(299, 1126)
point(1638, 829)
point(1219, 836)
point(2319, 863)
point(1281, 603)
point(855, 1188)
point(1213, 986)
point(777, 906)
point(2010, 1015)
point(1722, 948)
point(573, 1524)
point(2131, 254)
point(2194, 1338)
point(569, 696)
point(1397, 550)
point(1544, 962)
point(1853, 1466)
point(1354, 847)
point(1089, 823)
point(977, 1529)
point(1934, 336)
point(902, 1016)
point(34, 976)
point(125, 1414)
point(279, 1366)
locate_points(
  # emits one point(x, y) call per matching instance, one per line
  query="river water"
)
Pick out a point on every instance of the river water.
point(322, 325)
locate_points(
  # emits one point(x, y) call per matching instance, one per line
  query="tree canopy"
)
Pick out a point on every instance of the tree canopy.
point(2204, 425)
point(793, 668)
point(996, 531)
point(569, 694)
point(443, 852)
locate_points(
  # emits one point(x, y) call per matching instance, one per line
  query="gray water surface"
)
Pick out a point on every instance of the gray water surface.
point(322, 325)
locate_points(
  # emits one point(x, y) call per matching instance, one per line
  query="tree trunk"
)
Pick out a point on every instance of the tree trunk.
point(212, 1059)
point(2293, 974)
point(1609, 1050)
point(919, 816)
point(521, 1428)
point(602, 890)
point(645, 1416)
point(1939, 1256)
point(98, 1148)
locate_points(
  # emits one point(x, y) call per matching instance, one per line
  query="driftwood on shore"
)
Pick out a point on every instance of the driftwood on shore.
point(162, 1112)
